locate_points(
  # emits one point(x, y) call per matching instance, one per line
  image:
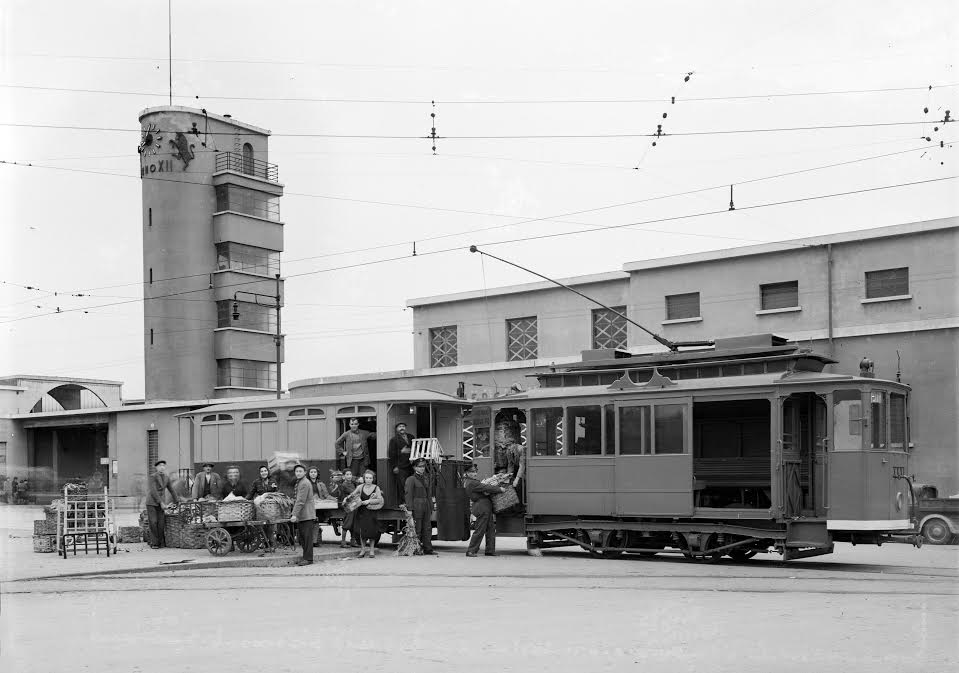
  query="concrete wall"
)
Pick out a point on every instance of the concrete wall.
point(564, 322)
point(128, 446)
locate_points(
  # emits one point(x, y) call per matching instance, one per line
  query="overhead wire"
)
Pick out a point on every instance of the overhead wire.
point(785, 244)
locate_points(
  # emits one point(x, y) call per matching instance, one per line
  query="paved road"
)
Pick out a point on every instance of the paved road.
point(864, 609)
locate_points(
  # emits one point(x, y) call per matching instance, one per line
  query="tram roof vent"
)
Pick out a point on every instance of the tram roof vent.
point(605, 354)
point(750, 341)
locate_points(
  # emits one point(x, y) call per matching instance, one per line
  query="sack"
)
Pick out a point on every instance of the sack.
point(376, 500)
point(505, 500)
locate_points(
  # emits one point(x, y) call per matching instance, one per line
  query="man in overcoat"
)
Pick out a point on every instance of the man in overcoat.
point(208, 484)
point(482, 508)
point(304, 514)
point(158, 483)
point(419, 501)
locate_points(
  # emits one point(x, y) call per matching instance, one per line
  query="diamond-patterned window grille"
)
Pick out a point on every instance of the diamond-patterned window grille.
point(443, 346)
point(609, 329)
point(521, 339)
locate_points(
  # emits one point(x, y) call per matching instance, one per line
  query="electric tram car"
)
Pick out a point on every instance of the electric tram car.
point(746, 447)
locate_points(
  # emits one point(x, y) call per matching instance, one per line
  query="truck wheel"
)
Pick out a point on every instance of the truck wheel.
point(936, 532)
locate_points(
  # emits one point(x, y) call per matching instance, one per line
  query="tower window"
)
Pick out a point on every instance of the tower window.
point(150, 217)
point(151, 275)
point(151, 336)
point(248, 158)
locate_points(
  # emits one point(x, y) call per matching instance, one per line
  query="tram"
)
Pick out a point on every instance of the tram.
point(279, 433)
point(745, 447)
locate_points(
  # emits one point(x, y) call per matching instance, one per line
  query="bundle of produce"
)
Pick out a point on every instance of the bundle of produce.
point(76, 489)
point(273, 507)
point(409, 544)
point(130, 534)
point(498, 479)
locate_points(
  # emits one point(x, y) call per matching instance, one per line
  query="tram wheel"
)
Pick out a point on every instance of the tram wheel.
point(219, 542)
point(740, 555)
point(616, 541)
point(936, 532)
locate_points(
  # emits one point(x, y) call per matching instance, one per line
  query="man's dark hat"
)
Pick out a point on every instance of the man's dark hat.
point(298, 465)
point(210, 464)
point(159, 462)
point(472, 467)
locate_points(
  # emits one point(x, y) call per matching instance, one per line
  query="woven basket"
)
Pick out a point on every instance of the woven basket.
point(145, 529)
point(234, 510)
point(130, 534)
point(183, 534)
point(43, 544)
point(195, 510)
point(271, 510)
point(503, 501)
point(45, 527)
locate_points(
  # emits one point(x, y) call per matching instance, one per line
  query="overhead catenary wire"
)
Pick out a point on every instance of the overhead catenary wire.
point(486, 101)
point(521, 219)
point(547, 136)
point(723, 211)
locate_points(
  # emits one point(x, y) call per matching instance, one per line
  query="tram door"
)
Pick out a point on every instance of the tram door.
point(477, 439)
point(654, 461)
point(803, 455)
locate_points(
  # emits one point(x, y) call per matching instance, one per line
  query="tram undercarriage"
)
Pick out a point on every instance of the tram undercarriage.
point(694, 540)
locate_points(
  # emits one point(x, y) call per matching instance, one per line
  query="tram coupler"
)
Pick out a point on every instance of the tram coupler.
point(915, 538)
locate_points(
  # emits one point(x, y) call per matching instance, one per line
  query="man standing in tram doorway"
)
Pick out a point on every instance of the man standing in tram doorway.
point(399, 459)
point(353, 447)
point(420, 502)
point(158, 483)
point(482, 508)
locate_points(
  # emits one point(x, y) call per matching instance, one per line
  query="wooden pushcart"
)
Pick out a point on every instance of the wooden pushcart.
point(245, 536)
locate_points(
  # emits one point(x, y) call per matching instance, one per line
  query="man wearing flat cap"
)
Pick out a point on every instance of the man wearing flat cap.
point(482, 508)
point(208, 484)
point(158, 484)
point(419, 501)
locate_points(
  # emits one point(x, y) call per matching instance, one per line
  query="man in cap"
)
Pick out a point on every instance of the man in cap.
point(159, 482)
point(399, 458)
point(304, 514)
point(482, 508)
point(207, 484)
point(419, 501)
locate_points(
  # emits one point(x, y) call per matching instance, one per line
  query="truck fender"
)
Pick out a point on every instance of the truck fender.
point(953, 527)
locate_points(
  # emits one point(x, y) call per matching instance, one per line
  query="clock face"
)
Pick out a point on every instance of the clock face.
point(150, 140)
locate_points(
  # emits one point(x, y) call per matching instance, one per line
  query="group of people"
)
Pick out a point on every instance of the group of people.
point(359, 499)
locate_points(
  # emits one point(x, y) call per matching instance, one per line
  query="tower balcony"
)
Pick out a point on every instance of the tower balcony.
point(244, 344)
point(237, 169)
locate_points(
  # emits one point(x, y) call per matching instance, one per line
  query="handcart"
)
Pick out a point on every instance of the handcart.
point(223, 536)
point(85, 521)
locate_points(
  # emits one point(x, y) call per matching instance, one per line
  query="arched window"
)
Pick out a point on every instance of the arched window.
point(248, 158)
point(216, 436)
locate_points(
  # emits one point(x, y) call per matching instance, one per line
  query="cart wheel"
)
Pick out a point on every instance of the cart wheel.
point(247, 543)
point(218, 542)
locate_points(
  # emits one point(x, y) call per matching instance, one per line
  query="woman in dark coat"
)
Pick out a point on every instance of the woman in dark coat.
point(365, 526)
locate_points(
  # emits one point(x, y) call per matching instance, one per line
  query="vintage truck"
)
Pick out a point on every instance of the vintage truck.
point(938, 517)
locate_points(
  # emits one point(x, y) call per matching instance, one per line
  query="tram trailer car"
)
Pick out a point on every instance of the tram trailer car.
point(250, 434)
point(744, 448)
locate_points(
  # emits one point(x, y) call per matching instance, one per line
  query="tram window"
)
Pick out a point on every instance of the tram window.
point(877, 409)
point(634, 431)
point(547, 439)
point(774, 366)
point(897, 420)
point(753, 368)
point(847, 420)
point(708, 372)
point(670, 428)
point(610, 434)
point(585, 430)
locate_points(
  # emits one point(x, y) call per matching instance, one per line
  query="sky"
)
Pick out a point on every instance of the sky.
point(543, 111)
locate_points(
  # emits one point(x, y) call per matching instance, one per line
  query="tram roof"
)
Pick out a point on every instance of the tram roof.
point(396, 396)
point(726, 383)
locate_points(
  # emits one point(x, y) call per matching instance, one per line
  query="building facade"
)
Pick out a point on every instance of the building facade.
point(890, 294)
point(212, 238)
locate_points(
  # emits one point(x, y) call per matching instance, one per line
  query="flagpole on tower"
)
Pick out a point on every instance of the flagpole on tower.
point(169, 16)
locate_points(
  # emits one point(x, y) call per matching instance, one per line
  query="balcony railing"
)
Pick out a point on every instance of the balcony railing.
point(238, 163)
